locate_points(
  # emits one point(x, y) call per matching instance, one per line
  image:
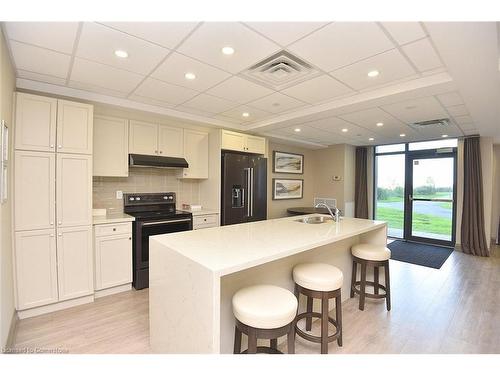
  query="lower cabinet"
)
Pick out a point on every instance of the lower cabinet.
point(36, 268)
point(205, 221)
point(113, 255)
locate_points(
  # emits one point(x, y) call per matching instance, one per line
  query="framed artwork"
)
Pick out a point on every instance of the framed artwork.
point(286, 162)
point(288, 188)
point(4, 158)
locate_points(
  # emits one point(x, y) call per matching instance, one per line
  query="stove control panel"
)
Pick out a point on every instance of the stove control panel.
point(148, 198)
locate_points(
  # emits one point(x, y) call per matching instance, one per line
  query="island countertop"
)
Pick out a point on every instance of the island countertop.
point(228, 249)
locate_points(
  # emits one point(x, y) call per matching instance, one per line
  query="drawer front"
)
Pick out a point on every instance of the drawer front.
point(205, 220)
point(112, 229)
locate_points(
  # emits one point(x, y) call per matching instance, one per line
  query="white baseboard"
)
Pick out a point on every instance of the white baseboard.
point(23, 314)
point(113, 290)
point(12, 331)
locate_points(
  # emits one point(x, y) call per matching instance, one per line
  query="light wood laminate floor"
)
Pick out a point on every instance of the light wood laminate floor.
point(452, 310)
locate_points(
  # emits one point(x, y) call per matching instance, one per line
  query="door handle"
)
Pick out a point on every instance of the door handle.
point(249, 190)
point(251, 197)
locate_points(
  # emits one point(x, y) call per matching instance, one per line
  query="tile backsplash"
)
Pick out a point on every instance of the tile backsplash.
point(143, 180)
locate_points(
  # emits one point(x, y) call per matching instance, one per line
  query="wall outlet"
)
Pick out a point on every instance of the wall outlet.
point(336, 178)
point(119, 194)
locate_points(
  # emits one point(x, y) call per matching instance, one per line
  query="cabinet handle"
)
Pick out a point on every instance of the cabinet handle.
point(60, 222)
point(51, 235)
point(161, 152)
point(51, 146)
point(60, 146)
point(51, 223)
point(130, 238)
point(114, 229)
point(60, 234)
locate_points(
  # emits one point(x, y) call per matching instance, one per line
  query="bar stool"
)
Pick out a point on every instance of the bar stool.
point(375, 256)
point(321, 281)
point(264, 312)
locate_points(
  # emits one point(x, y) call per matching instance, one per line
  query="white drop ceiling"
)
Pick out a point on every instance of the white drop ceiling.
point(415, 80)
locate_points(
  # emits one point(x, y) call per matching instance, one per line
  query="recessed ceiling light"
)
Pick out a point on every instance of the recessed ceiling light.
point(402, 135)
point(373, 73)
point(245, 114)
point(227, 50)
point(297, 130)
point(190, 76)
point(371, 139)
point(379, 124)
point(345, 130)
point(121, 53)
point(445, 136)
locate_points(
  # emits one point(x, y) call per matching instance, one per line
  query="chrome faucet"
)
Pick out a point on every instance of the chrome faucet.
point(335, 214)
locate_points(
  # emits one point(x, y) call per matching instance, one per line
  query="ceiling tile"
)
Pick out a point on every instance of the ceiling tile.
point(174, 68)
point(99, 43)
point(208, 40)
point(391, 66)
point(165, 92)
point(235, 114)
point(104, 76)
point(463, 120)
point(457, 110)
point(239, 90)
point(277, 103)
point(318, 89)
point(369, 118)
point(194, 111)
point(335, 125)
point(415, 110)
point(209, 103)
point(285, 33)
point(166, 34)
point(404, 32)
point(41, 77)
point(423, 55)
point(97, 89)
point(150, 101)
point(58, 36)
point(450, 99)
point(40, 60)
point(342, 43)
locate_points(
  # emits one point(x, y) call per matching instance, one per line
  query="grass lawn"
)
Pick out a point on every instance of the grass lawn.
point(421, 222)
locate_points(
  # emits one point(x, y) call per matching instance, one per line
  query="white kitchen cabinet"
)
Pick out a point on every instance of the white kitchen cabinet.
point(36, 118)
point(234, 141)
point(196, 154)
point(34, 190)
point(205, 221)
point(74, 190)
point(113, 255)
point(110, 157)
point(74, 127)
point(143, 138)
point(170, 141)
point(35, 268)
point(75, 275)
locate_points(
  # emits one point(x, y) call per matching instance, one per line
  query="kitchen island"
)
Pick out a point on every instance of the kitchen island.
point(193, 275)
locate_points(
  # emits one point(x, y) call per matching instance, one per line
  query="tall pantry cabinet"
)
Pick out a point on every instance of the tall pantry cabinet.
point(52, 200)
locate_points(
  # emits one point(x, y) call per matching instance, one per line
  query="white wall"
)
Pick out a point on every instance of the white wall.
point(7, 84)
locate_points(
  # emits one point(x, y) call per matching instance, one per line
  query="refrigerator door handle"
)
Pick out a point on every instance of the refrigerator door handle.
point(249, 190)
point(251, 196)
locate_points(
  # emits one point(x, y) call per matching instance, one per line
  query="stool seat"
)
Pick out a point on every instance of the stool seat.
point(318, 276)
point(371, 252)
point(264, 306)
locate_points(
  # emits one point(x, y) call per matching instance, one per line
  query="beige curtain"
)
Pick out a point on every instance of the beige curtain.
point(361, 184)
point(473, 236)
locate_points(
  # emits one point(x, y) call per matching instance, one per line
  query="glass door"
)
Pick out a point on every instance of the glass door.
point(431, 198)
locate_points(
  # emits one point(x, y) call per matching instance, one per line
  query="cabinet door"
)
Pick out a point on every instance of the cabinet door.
point(143, 138)
point(74, 262)
point(113, 261)
point(36, 268)
point(74, 190)
point(170, 141)
point(35, 122)
point(255, 145)
point(110, 147)
point(196, 154)
point(34, 190)
point(233, 141)
point(74, 127)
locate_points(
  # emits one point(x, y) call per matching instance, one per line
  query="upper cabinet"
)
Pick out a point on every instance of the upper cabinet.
point(35, 122)
point(110, 147)
point(243, 142)
point(155, 139)
point(196, 154)
point(47, 124)
point(170, 141)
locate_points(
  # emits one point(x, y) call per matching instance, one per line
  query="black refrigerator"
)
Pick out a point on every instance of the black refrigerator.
point(244, 188)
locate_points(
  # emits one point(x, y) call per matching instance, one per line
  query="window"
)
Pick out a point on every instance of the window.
point(429, 145)
point(390, 148)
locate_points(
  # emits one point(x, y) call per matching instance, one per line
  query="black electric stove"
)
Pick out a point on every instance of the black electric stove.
point(155, 214)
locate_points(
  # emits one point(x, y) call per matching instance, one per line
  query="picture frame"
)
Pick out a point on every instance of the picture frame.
point(288, 188)
point(4, 158)
point(288, 162)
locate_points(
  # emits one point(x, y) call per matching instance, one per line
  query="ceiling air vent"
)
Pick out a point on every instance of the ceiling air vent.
point(281, 70)
point(443, 122)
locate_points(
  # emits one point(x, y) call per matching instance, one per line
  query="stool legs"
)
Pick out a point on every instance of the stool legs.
point(362, 287)
point(309, 309)
point(387, 287)
point(324, 325)
point(354, 274)
point(375, 279)
point(291, 340)
point(338, 317)
point(252, 341)
point(237, 340)
point(274, 343)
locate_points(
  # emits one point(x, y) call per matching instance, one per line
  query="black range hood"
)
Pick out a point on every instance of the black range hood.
point(136, 160)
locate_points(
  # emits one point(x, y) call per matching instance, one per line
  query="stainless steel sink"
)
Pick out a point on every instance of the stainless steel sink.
point(315, 220)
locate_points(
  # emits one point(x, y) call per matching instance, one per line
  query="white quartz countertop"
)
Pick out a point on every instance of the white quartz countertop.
point(110, 218)
point(228, 249)
point(204, 211)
